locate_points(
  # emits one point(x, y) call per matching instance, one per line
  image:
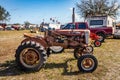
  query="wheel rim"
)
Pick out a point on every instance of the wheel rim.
point(97, 43)
point(87, 64)
point(30, 57)
point(89, 48)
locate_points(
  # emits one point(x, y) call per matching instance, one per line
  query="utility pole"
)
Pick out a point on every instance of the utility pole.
point(73, 15)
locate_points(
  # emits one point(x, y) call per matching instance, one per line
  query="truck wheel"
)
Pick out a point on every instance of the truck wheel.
point(97, 43)
point(87, 63)
point(102, 37)
point(30, 56)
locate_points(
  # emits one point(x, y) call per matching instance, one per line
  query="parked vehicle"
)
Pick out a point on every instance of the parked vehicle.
point(43, 29)
point(1, 28)
point(34, 29)
point(15, 27)
point(33, 51)
point(103, 31)
point(95, 39)
point(104, 26)
point(3, 25)
point(9, 28)
point(117, 33)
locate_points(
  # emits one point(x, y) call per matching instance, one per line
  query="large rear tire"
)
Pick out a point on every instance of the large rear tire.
point(87, 63)
point(30, 56)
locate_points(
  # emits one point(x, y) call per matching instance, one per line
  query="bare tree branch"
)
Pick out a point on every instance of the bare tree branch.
point(97, 7)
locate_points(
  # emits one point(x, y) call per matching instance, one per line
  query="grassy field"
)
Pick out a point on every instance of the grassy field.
point(59, 66)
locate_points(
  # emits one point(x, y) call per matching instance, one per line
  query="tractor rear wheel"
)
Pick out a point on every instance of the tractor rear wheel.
point(30, 56)
point(87, 63)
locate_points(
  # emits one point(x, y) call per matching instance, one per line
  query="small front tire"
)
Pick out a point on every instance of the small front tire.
point(97, 43)
point(81, 51)
point(87, 63)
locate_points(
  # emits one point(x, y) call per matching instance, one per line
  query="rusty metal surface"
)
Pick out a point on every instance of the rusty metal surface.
point(63, 38)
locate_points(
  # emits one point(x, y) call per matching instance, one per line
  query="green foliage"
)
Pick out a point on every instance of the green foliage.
point(4, 15)
point(16, 24)
point(98, 7)
point(27, 23)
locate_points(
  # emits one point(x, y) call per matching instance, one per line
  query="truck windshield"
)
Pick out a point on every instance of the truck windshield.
point(96, 22)
point(69, 26)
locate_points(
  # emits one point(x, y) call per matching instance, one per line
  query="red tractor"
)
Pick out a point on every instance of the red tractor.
point(33, 51)
point(95, 39)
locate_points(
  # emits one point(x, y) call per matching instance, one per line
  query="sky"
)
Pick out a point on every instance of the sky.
point(35, 11)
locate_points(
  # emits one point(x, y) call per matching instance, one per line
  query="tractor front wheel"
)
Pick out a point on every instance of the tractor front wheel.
point(81, 51)
point(87, 63)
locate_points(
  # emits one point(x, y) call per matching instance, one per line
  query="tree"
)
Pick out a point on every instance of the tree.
point(97, 7)
point(16, 24)
point(4, 15)
point(27, 23)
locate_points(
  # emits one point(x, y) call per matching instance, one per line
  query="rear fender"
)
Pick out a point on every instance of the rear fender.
point(94, 36)
point(38, 40)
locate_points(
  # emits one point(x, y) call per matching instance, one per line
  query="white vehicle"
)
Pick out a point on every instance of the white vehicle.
point(117, 33)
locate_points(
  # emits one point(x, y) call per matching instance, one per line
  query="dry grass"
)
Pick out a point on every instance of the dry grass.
point(59, 66)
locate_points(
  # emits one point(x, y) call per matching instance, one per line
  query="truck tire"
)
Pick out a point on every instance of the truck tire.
point(97, 43)
point(87, 63)
point(30, 56)
point(102, 39)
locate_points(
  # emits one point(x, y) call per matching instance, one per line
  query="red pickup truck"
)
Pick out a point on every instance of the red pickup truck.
point(103, 31)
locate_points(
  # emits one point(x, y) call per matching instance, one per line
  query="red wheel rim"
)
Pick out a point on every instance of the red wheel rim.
point(97, 43)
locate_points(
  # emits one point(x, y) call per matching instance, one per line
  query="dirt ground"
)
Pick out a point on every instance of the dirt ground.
point(61, 66)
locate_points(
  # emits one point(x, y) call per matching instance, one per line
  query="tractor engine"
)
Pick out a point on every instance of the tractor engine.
point(72, 40)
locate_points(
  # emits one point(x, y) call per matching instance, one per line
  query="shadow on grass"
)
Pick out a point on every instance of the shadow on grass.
point(113, 38)
point(9, 68)
point(62, 65)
